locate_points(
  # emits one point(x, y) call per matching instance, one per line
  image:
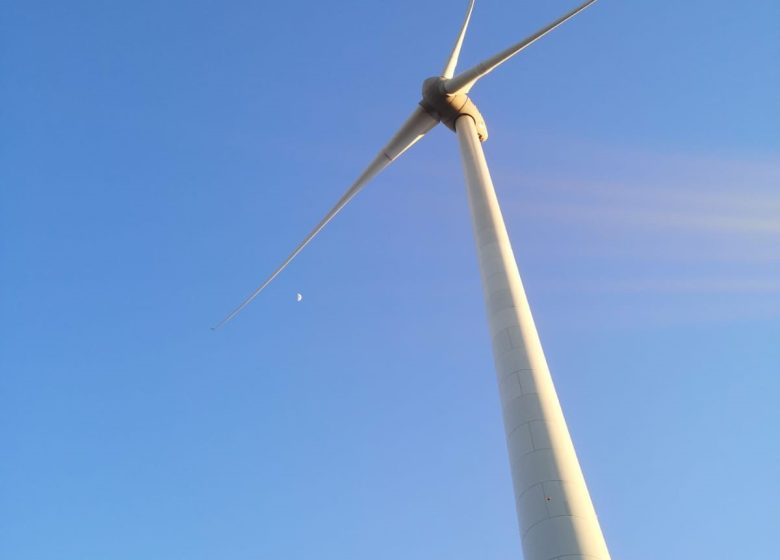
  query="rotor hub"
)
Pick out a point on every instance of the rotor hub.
point(448, 107)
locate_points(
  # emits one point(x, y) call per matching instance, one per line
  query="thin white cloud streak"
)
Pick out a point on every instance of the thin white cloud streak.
point(699, 219)
point(695, 286)
point(702, 232)
point(699, 196)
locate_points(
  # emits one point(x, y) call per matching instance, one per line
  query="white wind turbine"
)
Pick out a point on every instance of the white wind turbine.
point(556, 516)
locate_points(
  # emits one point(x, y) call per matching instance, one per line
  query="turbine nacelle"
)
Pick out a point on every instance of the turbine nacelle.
point(444, 99)
point(448, 107)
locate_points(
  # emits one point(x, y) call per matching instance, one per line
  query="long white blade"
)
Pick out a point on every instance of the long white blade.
point(418, 124)
point(463, 82)
point(452, 61)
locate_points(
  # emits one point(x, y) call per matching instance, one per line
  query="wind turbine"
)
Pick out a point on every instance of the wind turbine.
point(556, 516)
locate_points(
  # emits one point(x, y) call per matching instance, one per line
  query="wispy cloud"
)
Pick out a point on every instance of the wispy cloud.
point(703, 217)
point(662, 225)
point(703, 285)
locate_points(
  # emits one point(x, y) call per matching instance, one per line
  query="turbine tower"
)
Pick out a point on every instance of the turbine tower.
point(556, 516)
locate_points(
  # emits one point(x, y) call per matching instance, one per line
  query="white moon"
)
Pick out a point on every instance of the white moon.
point(299, 297)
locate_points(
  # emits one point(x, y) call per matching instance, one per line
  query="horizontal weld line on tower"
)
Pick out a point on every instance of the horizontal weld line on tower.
point(502, 383)
point(510, 434)
point(520, 397)
point(521, 370)
point(514, 463)
point(547, 519)
point(509, 375)
point(492, 274)
point(521, 494)
point(485, 232)
point(488, 240)
point(514, 371)
point(517, 398)
point(562, 556)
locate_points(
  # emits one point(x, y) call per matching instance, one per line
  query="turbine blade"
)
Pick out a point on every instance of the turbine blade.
point(418, 124)
point(452, 61)
point(463, 82)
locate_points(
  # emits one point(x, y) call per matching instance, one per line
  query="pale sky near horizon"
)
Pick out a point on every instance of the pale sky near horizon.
point(157, 160)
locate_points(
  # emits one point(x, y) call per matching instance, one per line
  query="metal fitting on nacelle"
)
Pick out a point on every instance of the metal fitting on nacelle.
point(447, 107)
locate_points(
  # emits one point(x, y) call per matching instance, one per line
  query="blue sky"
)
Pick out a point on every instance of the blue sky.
point(158, 159)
